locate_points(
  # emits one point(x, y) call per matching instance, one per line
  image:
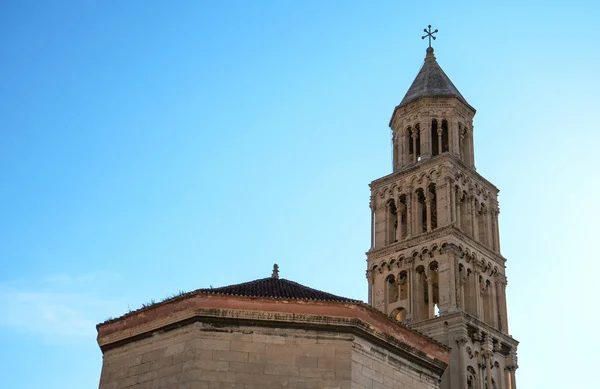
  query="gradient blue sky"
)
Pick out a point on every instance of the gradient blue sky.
point(150, 147)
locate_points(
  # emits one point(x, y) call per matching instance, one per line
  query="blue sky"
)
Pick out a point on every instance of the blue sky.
point(150, 147)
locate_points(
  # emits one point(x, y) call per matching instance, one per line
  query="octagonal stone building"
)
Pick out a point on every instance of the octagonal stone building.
point(268, 333)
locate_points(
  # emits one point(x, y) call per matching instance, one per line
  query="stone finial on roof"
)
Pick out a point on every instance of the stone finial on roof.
point(275, 271)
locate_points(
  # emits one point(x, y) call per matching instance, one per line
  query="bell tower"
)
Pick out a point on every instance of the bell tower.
point(435, 262)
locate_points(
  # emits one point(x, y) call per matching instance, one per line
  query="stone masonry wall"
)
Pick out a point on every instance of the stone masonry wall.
point(203, 356)
point(374, 367)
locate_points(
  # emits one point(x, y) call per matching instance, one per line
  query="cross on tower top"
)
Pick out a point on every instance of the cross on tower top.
point(429, 34)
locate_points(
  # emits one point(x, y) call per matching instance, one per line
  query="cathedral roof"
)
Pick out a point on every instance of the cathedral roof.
point(277, 288)
point(431, 81)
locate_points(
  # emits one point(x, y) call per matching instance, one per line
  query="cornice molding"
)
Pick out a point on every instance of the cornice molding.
point(426, 165)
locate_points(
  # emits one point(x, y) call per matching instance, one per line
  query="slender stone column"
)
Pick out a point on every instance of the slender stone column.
point(494, 303)
point(488, 367)
point(414, 140)
point(480, 381)
point(499, 378)
point(496, 212)
point(428, 199)
point(501, 285)
point(457, 207)
point(455, 137)
point(399, 212)
point(477, 296)
point(426, 140)
point(417, 299)
point(370, 282)
point(494, 230)
point(488, 227)
point(430, 306)
point(513, 381)
point(372, 207)
point(453, 276)
point(386, 228)
point(471, 145)
point(461, 340)
point(462, 147)
point(409, 224)
point(410, 279)
point(417, 212)
point(449, 202)
point(439, 136)
point(474, 229)
point(462, 282)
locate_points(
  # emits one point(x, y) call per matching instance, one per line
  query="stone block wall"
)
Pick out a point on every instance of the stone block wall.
point(374, 367)
point(203, 356)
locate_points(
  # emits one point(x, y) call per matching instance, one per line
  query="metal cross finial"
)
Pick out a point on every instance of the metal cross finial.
point(429, 34)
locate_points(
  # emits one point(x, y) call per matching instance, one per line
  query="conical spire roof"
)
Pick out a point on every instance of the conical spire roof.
point(432, 81)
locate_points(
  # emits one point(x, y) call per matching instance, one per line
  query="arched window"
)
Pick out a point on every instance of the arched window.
point(470, 293)
point(414, 142)
point(417, 132)
point(487, 300)
point(420, 212)
point(403, 218)
point(397, 162)
point(391, 289)
point(435, 149)
point(471, 378)
point(403, 281)
point(432, 202)
point(463, 142)
point(433, 279)
point(399, 314)
point(420, 299)
point(465, 214)
point(445, 137)
point(392, 222)
point(482, 224)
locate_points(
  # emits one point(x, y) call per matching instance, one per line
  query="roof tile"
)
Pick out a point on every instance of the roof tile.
point(277, 288)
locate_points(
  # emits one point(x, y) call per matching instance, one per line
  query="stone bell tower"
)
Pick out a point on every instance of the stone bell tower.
point(435, 261)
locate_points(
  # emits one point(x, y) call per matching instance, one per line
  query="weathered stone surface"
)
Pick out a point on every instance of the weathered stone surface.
point(435, 261)
point(202, 356)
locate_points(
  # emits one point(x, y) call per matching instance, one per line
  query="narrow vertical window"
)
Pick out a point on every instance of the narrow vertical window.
point(418, 142)
point(445, 137)
point(435, 150)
